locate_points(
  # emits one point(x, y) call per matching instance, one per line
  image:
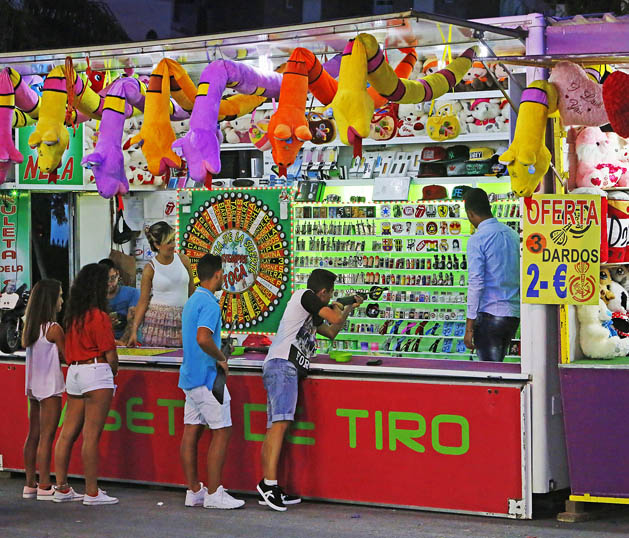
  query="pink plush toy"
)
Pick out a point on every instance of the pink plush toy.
point(598, 165)
point(622, 151)
point(580, 98)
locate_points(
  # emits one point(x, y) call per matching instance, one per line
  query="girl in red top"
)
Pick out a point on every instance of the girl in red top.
point(90, 352)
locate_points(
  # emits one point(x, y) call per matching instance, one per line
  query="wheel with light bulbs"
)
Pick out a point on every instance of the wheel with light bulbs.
point(245, 229)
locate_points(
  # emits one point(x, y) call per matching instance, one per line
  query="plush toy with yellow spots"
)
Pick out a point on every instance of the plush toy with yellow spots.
point(528, 158)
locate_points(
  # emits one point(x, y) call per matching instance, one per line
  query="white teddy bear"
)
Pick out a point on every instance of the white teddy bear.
point(412, 120)
point(236, 131)
point(503, 119)
point(484, 111)
point(594, 336)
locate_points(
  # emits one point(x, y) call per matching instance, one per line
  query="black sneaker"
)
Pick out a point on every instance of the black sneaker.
point(286, 498)
point(271, 496)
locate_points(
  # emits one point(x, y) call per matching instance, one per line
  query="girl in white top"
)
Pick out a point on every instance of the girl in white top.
point(167, 282)
point(43, 339)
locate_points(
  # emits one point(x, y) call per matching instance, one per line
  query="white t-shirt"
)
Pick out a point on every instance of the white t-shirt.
point(170, 283)
point(298, 328)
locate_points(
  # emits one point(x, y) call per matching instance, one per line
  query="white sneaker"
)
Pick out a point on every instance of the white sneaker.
point(29, 493)
point(101, 498)
point(45, 494)
point(222, 500)
point(196, 498)
point(69, 496)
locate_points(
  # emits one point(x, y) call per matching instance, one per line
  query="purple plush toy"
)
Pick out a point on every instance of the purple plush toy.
point(201, 145)
point(107, 161)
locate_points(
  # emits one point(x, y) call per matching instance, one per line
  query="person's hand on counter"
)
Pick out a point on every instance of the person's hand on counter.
point(133, 339)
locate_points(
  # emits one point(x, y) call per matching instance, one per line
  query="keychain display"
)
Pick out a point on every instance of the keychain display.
point(413, 252)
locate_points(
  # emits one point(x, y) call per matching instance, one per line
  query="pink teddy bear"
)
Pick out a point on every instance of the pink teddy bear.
point(598, 162)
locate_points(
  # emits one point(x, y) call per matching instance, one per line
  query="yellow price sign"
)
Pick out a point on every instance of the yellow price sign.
point(561, 252)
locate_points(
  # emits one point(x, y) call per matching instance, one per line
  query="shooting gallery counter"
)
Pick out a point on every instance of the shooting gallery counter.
point(440, 428)
point(323, 364)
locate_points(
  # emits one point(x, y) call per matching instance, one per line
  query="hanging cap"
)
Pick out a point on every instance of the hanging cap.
point(434, 192)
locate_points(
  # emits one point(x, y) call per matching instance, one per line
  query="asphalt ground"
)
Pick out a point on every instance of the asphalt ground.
point(160, 512)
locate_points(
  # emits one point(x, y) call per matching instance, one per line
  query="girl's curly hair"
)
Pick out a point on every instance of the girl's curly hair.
point(89, 290)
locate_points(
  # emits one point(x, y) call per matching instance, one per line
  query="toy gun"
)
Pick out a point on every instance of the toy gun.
point(374, 294)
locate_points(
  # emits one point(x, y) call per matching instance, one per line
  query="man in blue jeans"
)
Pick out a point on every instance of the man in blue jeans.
point(287, 360)
point(493, 292)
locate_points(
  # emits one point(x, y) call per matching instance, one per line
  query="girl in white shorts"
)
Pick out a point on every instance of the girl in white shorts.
point(43, 339)
point(93, 363)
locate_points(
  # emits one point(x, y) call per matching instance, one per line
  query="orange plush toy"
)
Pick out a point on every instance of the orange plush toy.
point(288, 127)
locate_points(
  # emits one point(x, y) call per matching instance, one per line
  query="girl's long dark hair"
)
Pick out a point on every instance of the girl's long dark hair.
point(41, 309)
point(89, 290)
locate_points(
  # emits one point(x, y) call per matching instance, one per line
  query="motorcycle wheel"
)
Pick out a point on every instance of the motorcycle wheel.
point(9, 336)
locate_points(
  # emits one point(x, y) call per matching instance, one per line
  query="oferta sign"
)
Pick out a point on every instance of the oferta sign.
point(438, 444)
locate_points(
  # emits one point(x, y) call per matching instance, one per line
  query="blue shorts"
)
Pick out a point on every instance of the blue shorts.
point(280, 381)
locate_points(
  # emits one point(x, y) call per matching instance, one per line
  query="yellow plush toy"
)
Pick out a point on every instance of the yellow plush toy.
point(400, 90)
point(528, 158)
point(352, 105)
point(51, 136)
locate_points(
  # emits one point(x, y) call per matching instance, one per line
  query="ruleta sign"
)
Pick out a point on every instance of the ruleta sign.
point(561, 253)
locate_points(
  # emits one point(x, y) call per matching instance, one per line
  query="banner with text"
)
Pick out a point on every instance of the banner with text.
point(562, 239)
point(15, 251)
point(445, 446)
point(70, 171)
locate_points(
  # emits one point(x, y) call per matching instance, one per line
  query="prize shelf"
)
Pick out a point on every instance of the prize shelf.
point(473, 137)
point(354, 252)
point(436, 236)
point(343, 219)
point(392, 285)
point(385, 271)
point(451, 180)
point(450, 96)
point(452, 336)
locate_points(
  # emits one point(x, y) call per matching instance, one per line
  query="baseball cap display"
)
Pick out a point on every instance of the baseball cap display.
point(434, 192)
point(456, 168)
point(432, 170)
point(457, 153)
point(433, 154)
point(459, 191)
point(480, 154)
point(481, 162)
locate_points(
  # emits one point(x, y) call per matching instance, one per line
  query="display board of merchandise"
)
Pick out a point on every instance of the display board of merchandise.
point(416, 251)
point(250, 230)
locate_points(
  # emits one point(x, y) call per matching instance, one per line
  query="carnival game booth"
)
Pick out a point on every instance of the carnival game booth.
point(312, 169)
point(591, 158)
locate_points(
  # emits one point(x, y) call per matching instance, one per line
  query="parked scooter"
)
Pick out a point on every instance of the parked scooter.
point(12, 308)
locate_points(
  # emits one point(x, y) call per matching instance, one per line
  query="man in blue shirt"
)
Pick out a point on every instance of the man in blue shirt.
point(493, 293)
point(122, 299)
point(202, 378)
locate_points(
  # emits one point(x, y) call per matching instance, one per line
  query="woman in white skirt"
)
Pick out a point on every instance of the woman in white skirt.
point(43, 339)
point(167, 282)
